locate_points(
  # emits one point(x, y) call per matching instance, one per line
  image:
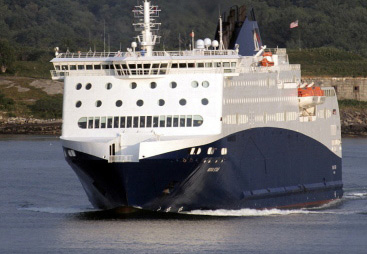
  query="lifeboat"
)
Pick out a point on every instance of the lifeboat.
point(267, 60)
point(310, 97)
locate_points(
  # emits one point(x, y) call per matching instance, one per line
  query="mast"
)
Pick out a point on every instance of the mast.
point(145, 15)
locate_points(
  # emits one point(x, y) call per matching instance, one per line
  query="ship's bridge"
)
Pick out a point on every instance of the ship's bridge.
point(136, 64)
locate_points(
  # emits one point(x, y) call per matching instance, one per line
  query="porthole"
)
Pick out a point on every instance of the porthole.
point(133, 85)
point(182, 102)
point(153, 85)
point(78, 104)
point(78, 86)
point(194, 84)
point(98, 104)
point(108, 86)
point(205, 101)
point(118, 103)
point(88, 86)
point(140, 103)
point(161, 102)
point(205, 84)
point(173, 84)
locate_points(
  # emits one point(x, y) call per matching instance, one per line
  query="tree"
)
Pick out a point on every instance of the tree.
point(6, 55)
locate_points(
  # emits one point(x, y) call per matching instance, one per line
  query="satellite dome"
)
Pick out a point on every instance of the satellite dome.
point(207, 42)
point(200, 44)
point(215, 44)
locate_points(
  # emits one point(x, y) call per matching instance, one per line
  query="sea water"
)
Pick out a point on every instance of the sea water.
point(43, 209)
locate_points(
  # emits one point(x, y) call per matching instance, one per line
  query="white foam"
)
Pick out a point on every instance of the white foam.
point(57, 210)
point(356, 195)
point(249, 212)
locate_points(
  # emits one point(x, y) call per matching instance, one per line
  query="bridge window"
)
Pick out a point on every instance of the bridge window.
point(72, 67)
point(103, 122)
point(109, 122)
point(89, 67)
point(169, 121)
point(90, 123)
point(97, 67)
point(188, 121)
point(122, 122)
point(198, 121)
point(136, 122)
point(162, 121)
point(80, 67)
point(155, 121)
point(96, 122)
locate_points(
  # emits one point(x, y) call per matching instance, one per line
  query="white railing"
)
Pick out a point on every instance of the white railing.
point(120, 158)
point(195, 52)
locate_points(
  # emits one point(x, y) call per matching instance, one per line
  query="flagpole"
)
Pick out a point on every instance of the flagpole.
point(299, 38)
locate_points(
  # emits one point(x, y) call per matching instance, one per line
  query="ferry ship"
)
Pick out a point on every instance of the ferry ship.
point(227, 124)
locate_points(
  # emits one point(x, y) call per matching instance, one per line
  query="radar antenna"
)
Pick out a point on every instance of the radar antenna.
point(146, 15)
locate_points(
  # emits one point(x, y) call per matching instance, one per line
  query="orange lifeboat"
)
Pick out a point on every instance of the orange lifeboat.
point(310, 97)
point(267, 60)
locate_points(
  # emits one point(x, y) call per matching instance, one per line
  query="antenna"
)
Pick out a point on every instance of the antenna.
point(221, 46)
point(104, 36)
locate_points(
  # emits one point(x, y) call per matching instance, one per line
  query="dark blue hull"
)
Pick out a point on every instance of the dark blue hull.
point(263, 168)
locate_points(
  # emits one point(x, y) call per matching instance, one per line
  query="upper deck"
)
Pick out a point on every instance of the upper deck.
point(160, 63)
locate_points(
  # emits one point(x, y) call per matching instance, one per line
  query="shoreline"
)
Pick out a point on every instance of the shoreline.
point(353, 124)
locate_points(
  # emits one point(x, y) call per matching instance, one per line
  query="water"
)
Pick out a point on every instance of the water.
point(43, 209)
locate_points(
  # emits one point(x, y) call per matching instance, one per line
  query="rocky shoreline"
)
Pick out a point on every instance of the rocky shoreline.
point(353, 123)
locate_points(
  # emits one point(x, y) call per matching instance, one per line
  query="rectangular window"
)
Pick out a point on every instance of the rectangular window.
point(105, 67)
point(57, 67)
point(109, 122)
point(116, 122)
point(149, 121)
point(97, 67)
point(169, 121)
point(136, 122)
point(117, 67)
point(175, 121)
point(111, 66)
point(65, 67)
point(103, 122)
point(122, 122)
point(182, 121)
point(132, 66)
point(72, 67)
point(129, 121)
point(162, 121)
point(90, 123)
point(155, 66)
point(189, 121)
point(191, 65)
point(218, 65)
point(164, 65)
point(142, 122)
point(226, 65)
point(183, 65)
point(124, 66)
point(208, 65)
point(200, 65)
point(96, 122)
point(155, 121)
point(174, 65)
point(233, 64)
point(89, 67)
point(80, 67)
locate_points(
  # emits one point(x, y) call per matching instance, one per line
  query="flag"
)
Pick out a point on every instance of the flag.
point(294, 24)
point(192, 34)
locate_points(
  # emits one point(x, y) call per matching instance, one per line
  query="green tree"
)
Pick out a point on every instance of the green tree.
point(6, 55)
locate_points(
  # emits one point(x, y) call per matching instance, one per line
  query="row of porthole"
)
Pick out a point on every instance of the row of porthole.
point(140, 103)
point(153, 85)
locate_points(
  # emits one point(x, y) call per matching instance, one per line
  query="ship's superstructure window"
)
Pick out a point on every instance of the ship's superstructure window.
point(182, 102)
point(205, 84)
point(57, 67)
point(153, 85)
point(97, 67)
point(123, 122)
point(140, 103)
point(210, 150)
point(161, 102)
point(78, 104)
point(118, 103)
point(65, 68)
point(194, 84)
point(78, 86)
point(133, 85)
point(89, 67)
point(108, 86)
point(73, 67)
point(205, 101)
point(88, 86)
point(82, 123)
point(173, 84)
point(80, 67)
point(98, 103)
point(224, 151)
